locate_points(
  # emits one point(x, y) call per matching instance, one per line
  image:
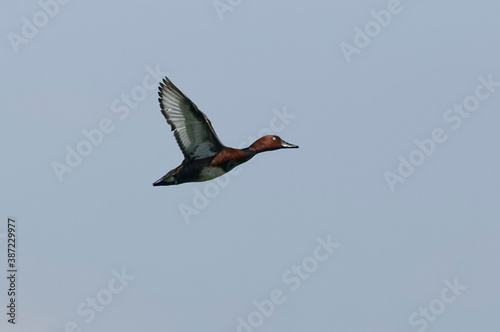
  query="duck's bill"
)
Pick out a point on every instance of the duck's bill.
point(288, 145)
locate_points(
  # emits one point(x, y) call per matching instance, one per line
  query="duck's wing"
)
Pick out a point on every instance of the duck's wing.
point(192, 129)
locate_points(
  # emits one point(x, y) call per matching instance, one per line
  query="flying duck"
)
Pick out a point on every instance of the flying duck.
point(205, 157)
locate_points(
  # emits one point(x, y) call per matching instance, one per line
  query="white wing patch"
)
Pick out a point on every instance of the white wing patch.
point(192, 129)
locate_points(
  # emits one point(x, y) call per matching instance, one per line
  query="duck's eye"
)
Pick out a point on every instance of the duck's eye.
point(274, 138)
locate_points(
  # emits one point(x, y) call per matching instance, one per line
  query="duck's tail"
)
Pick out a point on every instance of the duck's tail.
point(169, 179)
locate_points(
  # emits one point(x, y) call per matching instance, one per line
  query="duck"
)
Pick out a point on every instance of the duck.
point(205, 157)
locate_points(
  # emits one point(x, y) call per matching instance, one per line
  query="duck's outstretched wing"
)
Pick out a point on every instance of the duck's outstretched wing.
point(192, 129)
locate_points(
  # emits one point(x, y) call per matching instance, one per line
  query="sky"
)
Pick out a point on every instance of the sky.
point(385, 219)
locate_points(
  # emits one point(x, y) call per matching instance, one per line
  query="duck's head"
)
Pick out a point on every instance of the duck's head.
point(269, 143)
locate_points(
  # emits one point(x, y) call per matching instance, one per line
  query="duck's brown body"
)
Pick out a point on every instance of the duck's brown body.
point(207, 168)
